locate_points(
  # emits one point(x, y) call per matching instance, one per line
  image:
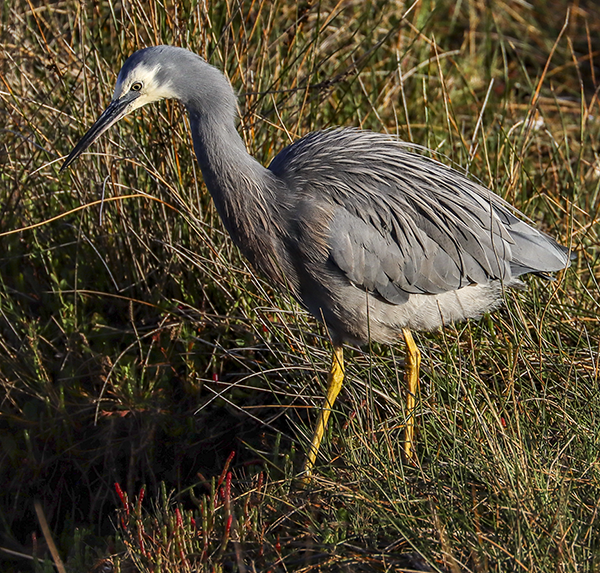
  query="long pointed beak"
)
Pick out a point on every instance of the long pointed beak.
point(113, 113)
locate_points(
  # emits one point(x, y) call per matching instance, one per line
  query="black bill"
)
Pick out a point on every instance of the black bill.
point(113, 113)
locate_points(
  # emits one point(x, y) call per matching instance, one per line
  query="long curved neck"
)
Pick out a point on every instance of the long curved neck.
point(244, 192)
point(239, 185)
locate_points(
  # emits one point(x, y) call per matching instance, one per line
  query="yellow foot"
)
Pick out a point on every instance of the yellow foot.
point(334, 385)
point(411, 376)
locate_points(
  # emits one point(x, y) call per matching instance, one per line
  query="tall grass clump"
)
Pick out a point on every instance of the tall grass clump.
point(138, 348)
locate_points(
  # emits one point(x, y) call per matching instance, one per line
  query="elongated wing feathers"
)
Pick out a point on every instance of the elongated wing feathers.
point(400, 223)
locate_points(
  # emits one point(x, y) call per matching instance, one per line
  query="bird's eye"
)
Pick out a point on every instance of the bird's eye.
point(136, 86)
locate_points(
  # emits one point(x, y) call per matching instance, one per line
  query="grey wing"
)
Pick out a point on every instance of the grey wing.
point(403, 224)
point(418, 250)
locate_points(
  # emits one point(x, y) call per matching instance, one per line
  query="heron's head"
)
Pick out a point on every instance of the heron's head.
point(147, 76)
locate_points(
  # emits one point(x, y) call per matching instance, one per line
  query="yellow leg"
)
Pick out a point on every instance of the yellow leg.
point(334, 385)
point(411, 376)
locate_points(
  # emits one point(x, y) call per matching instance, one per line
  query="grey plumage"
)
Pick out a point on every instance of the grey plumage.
point(371, 237)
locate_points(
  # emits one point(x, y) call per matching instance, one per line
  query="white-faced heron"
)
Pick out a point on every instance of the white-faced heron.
point(372, 239)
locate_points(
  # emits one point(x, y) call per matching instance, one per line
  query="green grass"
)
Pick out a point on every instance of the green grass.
point(138, 348)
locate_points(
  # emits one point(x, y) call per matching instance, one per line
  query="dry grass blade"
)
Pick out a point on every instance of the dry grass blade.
point(58, 563)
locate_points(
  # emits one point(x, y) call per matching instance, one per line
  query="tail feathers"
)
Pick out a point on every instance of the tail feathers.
point(536, 252)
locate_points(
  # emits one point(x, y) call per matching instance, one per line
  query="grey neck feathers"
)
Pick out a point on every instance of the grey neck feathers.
point(239, 185)
point(244, 192)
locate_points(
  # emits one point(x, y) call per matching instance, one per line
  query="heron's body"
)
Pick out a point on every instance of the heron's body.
point(374, 240)
point(343, 219)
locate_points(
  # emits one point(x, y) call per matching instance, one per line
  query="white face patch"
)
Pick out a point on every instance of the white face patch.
point(150, 90)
